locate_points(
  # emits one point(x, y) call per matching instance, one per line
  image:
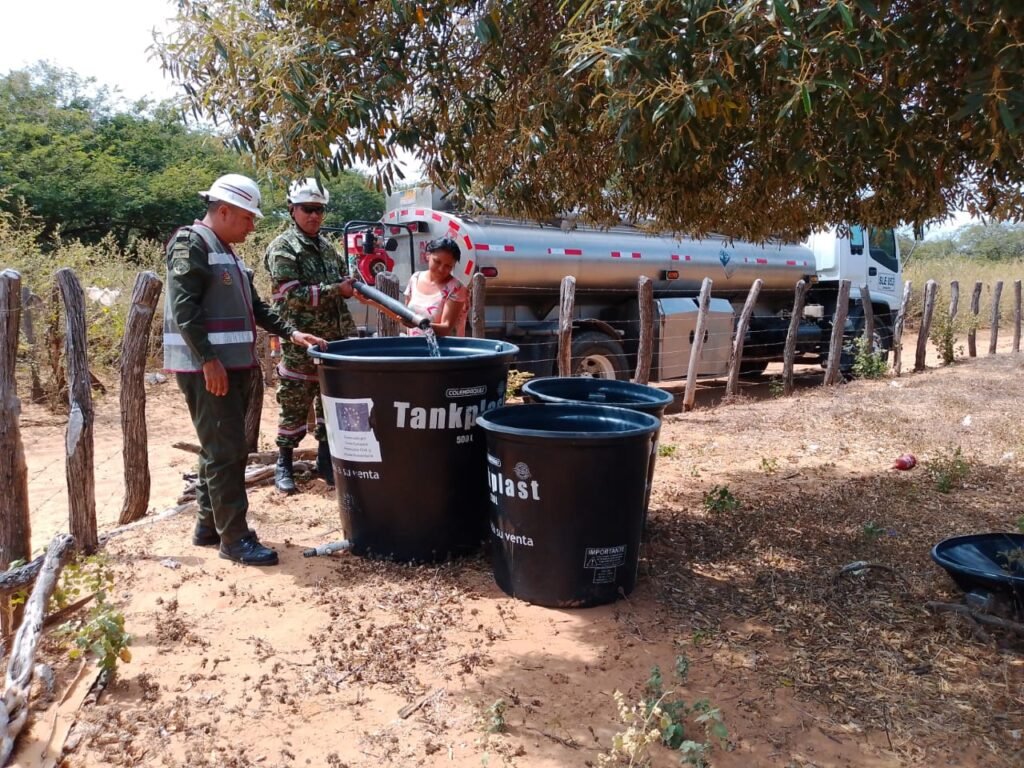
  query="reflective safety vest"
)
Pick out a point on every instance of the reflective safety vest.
point(227, 308)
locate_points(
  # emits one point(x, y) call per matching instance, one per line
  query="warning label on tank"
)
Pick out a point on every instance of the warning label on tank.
point(604, 575)
point(604, 557)
point(349, 430)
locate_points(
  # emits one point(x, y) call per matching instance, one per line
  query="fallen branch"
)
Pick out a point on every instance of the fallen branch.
point(254, 475)
point(862, 565)
point(409, 709)
point(187, 506)
point(183, 446)
point(20, 577)
point(980, 618)
point(14, 706)
point(270, 457)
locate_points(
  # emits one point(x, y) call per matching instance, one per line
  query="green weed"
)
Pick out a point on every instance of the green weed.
point(769, 465)
point(776, 387)
point(101, 632)
point(948, 471)
point(868, 364)
point(667, 451)
point(871, 530)
point(720, 499)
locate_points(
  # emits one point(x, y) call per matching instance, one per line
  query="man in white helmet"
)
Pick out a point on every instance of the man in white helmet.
point(210, 316)
point(310, 283)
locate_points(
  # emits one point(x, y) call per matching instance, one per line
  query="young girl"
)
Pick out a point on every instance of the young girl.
point(438, 295)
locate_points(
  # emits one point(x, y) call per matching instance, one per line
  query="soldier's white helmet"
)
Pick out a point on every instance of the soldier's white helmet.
point(308, 190)
point(237, 190)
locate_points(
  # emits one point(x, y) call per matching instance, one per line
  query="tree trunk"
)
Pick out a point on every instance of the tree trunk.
point(645, 351)
point(79, 441)
point(134, 352)
point(690, 393)
point(789, 355)
point(835, 347)
point(869, 317)
point(954, 300)
point(565, 312)
point(733, 382)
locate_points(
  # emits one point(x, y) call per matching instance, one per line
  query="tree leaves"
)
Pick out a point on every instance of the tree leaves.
point(702, 115)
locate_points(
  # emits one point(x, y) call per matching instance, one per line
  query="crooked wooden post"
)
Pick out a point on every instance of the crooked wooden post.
point(387, 283)
point(930, 289)
point(478, 306)
point(789, 355)
point(15, 525)
point(869, 317)
point(697, 347)
point(1016, 315)
point(954, 300)
point(79, 441)
point(972, 332)
point(897, 329)
point(736, 359)
point(994, 334)
point(565, 312)
point(835, 346)
point(29, 304)
point(134, 351)
point(645, 350)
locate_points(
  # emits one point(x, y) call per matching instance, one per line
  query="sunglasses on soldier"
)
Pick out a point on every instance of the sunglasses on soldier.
point(311, 209)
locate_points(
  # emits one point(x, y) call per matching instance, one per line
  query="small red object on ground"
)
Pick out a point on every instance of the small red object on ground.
point(906, 461)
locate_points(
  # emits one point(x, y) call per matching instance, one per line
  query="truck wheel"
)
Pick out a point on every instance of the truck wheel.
point(599, 356)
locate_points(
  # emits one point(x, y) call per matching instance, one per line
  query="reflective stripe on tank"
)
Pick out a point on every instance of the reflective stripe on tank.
point(216, 338)
point(288, 373)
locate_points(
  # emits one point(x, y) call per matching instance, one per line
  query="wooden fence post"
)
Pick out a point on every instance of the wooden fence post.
point(954, 300)
point(897, 329)
point(29, 304)
point(994, 335)
point(736, 359)
point(1016, 315)
point(79, 441)
point(645, 350)
point(134, 351)
point(930, 289)
point(565, 311)
point(835, 346)
point(789, 355)
point(869, 317)
point(15, 525)
point(387, 283)
point(972, 332)
point(478, 306)
point(690, 393)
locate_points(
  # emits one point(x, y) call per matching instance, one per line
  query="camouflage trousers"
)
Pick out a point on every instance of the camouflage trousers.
point(297, 388)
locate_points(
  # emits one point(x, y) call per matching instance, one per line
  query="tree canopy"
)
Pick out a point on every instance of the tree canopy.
point(87, 165)
point(752, 117)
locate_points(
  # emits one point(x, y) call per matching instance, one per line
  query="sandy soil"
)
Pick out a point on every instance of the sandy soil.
point(310, 663)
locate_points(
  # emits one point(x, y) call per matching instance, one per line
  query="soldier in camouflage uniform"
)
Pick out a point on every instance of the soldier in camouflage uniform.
point(310, 283)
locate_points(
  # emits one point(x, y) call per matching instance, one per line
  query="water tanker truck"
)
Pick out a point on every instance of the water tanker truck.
point(524, 264)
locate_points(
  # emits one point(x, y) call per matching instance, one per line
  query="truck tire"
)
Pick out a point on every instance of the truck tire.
point(599, 356)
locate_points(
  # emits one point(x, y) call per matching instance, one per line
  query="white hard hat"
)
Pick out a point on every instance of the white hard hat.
point(308, 190)
point(237, 190)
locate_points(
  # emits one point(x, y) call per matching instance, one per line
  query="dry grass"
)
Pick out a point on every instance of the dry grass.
point(864, 645)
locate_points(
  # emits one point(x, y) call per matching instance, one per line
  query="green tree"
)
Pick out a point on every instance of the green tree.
point(751, 117)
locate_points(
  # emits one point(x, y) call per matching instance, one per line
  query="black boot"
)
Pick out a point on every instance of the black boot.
point(284, 479)
point(324, 465)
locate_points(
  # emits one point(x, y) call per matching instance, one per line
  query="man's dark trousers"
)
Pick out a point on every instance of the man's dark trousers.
point(220, 427)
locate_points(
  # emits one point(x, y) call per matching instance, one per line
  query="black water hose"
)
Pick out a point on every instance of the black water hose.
point(392, 305)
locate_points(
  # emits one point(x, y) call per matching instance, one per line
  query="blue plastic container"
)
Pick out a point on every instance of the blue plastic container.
point(982, 563)
point(567, 484)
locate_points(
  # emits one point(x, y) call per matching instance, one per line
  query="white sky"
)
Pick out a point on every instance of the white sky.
point(104, 40)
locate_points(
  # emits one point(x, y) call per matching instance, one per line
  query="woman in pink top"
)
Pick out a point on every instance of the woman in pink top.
point(436, 294)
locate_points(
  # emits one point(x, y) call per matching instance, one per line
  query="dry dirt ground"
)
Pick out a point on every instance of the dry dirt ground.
point(310, 663)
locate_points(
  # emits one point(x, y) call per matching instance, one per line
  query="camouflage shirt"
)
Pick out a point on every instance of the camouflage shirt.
point(305, 272)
